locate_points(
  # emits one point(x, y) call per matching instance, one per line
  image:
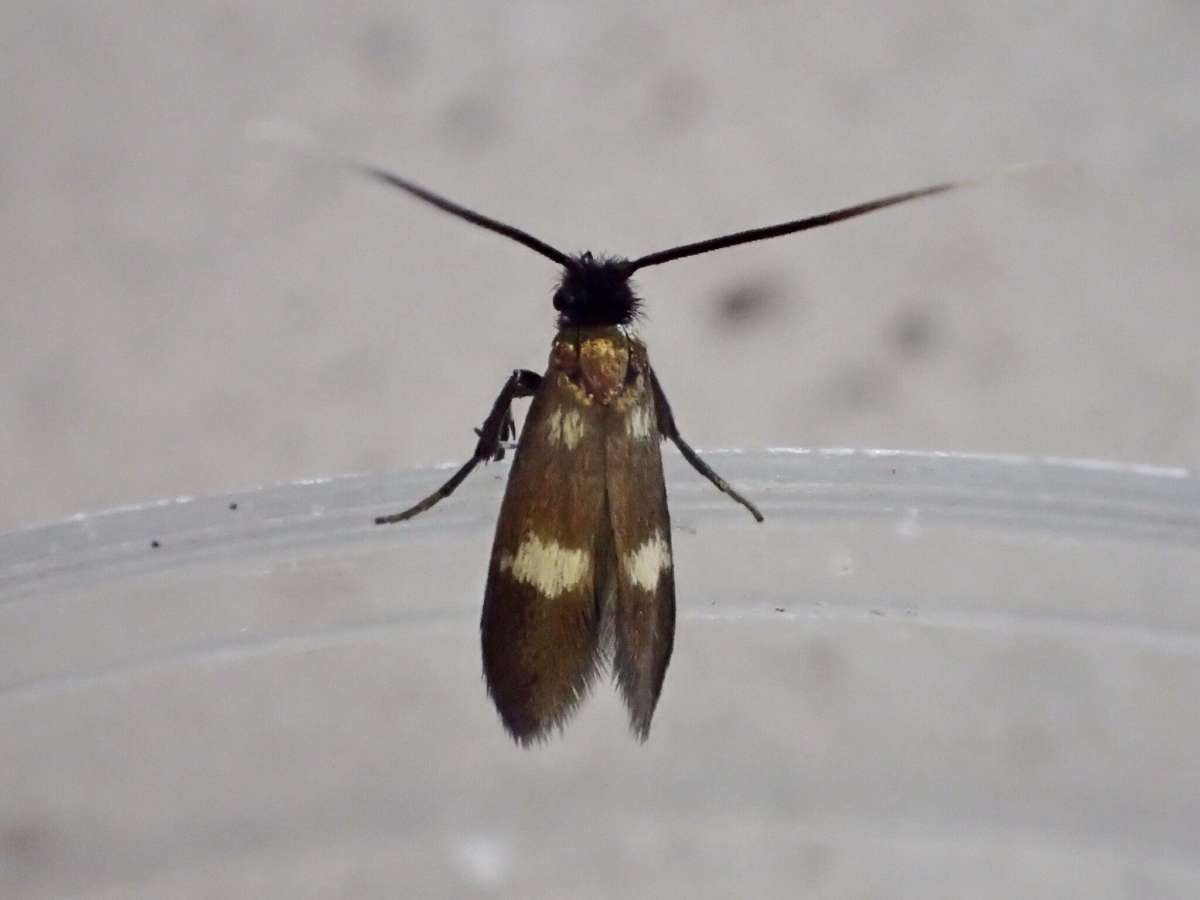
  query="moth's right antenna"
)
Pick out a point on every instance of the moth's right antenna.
point(774, 231)
point(819, 221)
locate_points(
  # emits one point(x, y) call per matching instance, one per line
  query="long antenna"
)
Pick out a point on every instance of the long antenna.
point(773, 231)
point(471, 216)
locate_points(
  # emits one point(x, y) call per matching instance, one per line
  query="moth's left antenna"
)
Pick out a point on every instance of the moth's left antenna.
point(509, 231)
point(288, 134)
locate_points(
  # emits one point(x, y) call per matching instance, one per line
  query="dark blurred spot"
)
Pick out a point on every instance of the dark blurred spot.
point(913, 332)
point(24, 843)
point(87, 170)
point(816, 861)
point(749, 301)
point(154, 545)
point(470, 122)
point(387, 50)
point(678, 102)
point(859, 386)
point(823, 663)
point(233, 506)
point(141, 266)
point(51, 396)
point(1029, 745)
point(780, 609)
point(232, 37)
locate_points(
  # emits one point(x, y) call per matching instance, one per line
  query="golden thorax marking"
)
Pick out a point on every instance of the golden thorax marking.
point(582, 397)
point(547, 565)
point(565, 427)
point(595, 365)
point(603, 363)
point(646, 564)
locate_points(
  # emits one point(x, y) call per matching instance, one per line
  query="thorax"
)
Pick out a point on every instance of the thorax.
point(600, 364)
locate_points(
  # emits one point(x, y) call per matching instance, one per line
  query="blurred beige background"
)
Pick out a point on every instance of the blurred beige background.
point(187, 310)
point(940, 712)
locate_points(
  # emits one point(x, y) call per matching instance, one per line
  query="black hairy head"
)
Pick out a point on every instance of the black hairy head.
point(596, 291)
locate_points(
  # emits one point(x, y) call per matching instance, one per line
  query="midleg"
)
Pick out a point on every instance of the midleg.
point(666, 425)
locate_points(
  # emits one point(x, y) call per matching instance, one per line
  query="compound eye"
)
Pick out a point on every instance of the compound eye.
point(561, 299)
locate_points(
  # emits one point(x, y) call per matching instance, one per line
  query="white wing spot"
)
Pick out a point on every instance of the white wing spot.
point(554, 426)
point(572, 428)
point(565, 427)
point(639, 423)
point(548, 566)
point(646, 564)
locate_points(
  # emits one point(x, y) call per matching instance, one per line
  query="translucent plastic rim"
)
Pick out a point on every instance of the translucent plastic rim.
point(1067, 497)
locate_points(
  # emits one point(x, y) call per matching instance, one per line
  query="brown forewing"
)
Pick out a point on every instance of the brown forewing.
point(644, 614)
point(540, 627)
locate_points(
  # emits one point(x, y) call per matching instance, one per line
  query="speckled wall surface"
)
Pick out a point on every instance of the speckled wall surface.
point(189, 309)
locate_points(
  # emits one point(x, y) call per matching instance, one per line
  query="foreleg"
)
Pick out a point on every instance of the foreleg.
point(496, 428)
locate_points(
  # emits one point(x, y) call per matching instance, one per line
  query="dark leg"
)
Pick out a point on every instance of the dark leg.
point(497, 426)
point(666, 424)
point(508, 432)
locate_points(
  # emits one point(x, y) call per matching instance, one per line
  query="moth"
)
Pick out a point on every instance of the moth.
point(581, 576)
